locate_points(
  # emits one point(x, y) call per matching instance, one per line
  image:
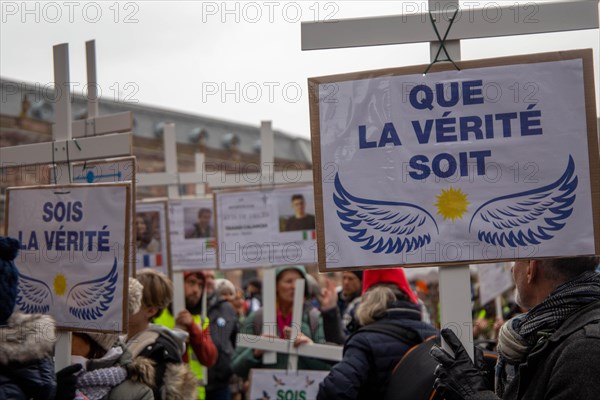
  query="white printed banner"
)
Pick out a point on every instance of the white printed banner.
point(280, 384)
point(152, 240)
point(73, 259)
point(268, 227)
point(193, 234)
point(491, 162)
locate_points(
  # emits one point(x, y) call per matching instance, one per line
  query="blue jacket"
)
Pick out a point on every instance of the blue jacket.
point(369, 357)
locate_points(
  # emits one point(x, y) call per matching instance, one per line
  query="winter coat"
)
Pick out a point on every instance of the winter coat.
point(224, 328)
point(140, 375)
point(165, 347)
point(26, 366)
point(563, 366)
point(244, 359)
point(369, 357)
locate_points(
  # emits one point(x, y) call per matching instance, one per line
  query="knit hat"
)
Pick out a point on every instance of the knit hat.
point(389, 275)
point(9, 277)
point(299, 268)
point(359, 274)
point(222, 285)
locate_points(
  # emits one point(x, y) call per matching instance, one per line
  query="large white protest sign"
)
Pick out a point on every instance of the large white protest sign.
point(152, 240)
point(258, 228)
point(283, 385)
point(73, 260)
point(193, 234)
point(496, 161)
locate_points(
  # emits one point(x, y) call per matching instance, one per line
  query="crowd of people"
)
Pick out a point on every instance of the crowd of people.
point(547, 341)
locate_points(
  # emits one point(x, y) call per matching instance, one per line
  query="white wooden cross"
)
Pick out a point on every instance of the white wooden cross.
point(64, 149)
point(455, 293)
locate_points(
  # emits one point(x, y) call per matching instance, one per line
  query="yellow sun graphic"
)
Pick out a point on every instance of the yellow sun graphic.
point(60, 284)
point(452, 203)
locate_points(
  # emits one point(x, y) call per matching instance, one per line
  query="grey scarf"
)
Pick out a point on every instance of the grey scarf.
point(519, 335)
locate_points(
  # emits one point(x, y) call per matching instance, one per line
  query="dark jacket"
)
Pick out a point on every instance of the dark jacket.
point(564, 366)
point(224, 327)
point(369, 357)
point(26, 366)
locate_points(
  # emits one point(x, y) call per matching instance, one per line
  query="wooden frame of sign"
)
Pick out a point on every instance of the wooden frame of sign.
point(126, 251)
point(254, 189)
point(330, 91)
point(161, 203)
point(117, 169)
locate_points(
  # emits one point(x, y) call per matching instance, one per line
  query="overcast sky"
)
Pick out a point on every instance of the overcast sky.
point(244, 65)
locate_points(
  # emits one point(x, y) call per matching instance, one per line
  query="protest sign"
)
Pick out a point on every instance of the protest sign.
point(284, 385)
point(73, 262)
point(258, 228)
point(496, 161)
point(152, 240)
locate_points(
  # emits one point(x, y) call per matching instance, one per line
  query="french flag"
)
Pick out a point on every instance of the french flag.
point(152, 260)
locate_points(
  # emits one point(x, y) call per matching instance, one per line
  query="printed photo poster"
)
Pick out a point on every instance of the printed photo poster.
point(281, 384)
point(193, 234)
point(152, 241)
point(73, 263)
point(497, 161)
point(258, 228)
point(119, 169)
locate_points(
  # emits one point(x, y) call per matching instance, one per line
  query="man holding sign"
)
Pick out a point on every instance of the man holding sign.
point(550, 352)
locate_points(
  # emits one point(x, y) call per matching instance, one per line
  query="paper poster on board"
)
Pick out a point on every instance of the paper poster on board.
point(258, 228)
point(281, 384)
point(152, 240)
point(193, 234)
point(73, 263)
point(496, 161)
point(494, 279)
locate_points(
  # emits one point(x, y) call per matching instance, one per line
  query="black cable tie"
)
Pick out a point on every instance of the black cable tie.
point(442, 42)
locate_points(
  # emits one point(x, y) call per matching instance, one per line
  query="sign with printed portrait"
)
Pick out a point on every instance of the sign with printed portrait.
point(193, 234)
point(73, 263)
point(152, 241)
point(496, 161)
point(259, 228)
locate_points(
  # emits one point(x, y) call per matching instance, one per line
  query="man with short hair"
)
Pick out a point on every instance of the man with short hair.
point(300, 221)
point(550, 352)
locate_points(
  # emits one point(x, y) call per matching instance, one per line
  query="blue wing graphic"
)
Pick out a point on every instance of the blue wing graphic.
point(529, 217)
point(33, 295)
point(383, 226)
point(89, 300)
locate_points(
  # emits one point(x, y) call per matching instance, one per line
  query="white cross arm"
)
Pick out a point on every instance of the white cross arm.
point(220, 180)
point(114, 145)
point(471, 23)
point(320, 351)
point(114, 123)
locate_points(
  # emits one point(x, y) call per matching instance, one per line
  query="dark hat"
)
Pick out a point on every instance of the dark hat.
point(359, 275)
point(198, 274)
point(9, 277)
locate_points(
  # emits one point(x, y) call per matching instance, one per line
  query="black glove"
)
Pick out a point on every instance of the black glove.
point(457, 377)
point(66, 379)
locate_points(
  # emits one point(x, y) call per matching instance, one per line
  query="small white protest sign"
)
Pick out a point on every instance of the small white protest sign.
point(494, 279)
point(279, 384)
point(192, 236)
point(152, 241)
point(496, 161)
point(73, 259)
point(266, 227)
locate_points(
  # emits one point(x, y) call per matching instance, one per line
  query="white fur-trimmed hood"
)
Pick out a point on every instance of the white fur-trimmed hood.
point(26, 337)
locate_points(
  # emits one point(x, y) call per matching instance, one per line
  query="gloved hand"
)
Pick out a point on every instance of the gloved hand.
point(457, 377)
point(66, 380)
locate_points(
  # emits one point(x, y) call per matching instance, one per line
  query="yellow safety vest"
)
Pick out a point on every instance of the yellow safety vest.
point(166, 319)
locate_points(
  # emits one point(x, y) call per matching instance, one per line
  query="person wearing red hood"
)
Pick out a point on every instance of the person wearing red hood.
point(390, 317)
